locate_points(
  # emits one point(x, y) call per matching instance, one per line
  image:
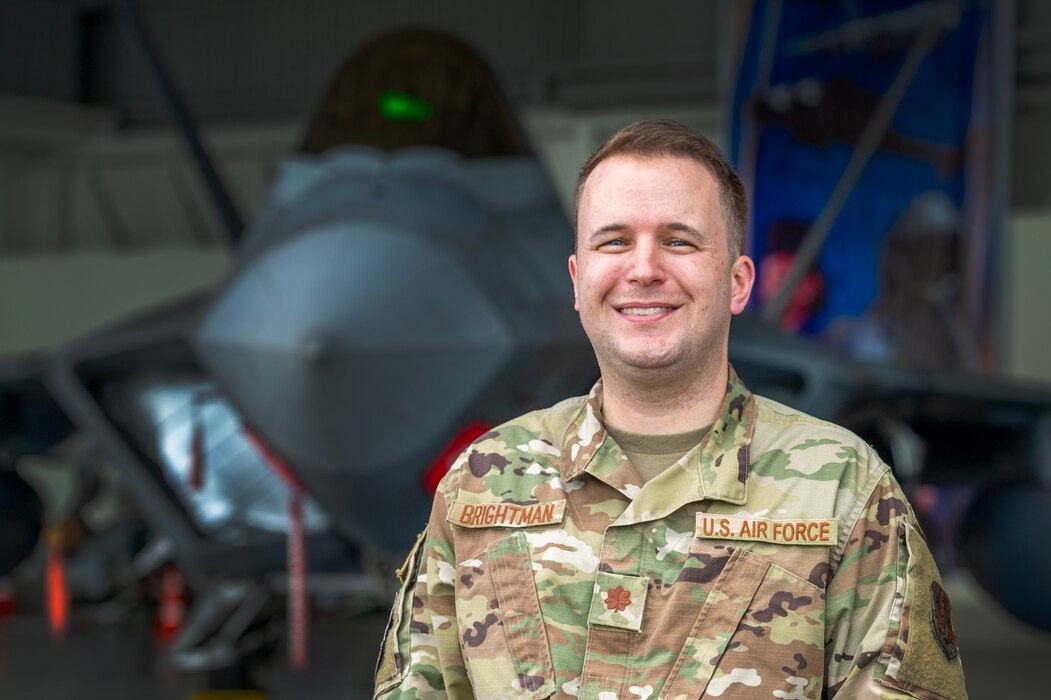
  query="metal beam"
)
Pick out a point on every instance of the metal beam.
point(141, 39)
point(866, 146)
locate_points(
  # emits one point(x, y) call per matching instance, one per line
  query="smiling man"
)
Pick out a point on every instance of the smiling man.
point(670, 535)
point(657, 275)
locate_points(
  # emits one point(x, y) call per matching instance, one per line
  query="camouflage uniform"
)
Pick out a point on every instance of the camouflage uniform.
point(778, 558)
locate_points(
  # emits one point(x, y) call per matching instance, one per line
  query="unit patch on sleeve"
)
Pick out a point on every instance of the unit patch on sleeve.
point(506, 514)
point(797, 531)
point(941, 619)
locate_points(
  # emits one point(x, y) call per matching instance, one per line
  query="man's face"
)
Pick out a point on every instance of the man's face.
point(654, 284)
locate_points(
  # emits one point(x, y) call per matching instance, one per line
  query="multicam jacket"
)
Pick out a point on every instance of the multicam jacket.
point(778, 559)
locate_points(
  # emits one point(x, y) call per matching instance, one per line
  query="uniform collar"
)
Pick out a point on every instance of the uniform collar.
point(717, 468)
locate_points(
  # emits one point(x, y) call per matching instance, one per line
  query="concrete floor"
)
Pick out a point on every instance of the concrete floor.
point(1002, 658)
point(119, 662)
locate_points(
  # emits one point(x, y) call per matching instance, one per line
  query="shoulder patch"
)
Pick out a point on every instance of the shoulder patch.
point(920, 653)
point(941, 620)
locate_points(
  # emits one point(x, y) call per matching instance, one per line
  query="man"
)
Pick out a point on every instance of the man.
point(670, 535)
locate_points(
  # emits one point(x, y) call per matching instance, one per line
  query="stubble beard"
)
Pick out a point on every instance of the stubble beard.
point(663, 371)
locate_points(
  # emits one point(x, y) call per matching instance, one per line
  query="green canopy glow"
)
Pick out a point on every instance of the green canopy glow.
point(401, 107)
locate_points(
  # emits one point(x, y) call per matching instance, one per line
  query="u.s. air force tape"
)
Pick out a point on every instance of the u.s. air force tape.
point(788, 531)
point(506, 514)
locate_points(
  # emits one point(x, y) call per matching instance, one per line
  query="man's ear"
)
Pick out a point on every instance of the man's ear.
point(742, 277)
point(573, 276)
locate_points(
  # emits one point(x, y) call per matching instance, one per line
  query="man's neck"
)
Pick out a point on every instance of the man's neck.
point(663, 407)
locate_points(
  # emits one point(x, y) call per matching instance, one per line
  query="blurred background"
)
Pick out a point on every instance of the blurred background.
point(267, 266)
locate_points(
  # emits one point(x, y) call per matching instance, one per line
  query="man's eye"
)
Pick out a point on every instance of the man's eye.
point(678, 243)
point(616, 242)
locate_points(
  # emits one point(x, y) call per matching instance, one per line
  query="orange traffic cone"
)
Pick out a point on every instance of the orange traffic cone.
point(171, 605)
point(55, 584)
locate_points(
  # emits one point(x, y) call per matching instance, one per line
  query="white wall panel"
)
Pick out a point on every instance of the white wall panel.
point(53, 299)
point(1027, 314)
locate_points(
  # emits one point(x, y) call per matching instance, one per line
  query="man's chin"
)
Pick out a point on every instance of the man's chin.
point(655, 361)
point(639, 358)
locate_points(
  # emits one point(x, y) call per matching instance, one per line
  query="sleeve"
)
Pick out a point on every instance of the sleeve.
point(889, 622)
point(420, 654)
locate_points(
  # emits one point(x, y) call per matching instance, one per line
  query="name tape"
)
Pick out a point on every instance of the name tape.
point(789, 531)
point(506, 514)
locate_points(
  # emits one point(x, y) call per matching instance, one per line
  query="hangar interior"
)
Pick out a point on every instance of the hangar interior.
point(104, 216)
point(83, 125)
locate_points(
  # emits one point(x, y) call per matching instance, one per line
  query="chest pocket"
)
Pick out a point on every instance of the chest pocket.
point(502, 634)
point(759, 633)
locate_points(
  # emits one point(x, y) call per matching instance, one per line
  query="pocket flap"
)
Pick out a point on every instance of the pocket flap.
point(519, 606)
point(716, 622)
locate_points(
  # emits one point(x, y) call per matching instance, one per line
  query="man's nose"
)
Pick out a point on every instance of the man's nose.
point(645, 266)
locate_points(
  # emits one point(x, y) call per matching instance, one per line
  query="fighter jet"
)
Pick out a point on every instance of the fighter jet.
point(402, 292)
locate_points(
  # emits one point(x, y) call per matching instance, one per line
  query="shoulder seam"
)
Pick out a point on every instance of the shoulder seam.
point(769, 407)
point(452, 483)
point(876, 475)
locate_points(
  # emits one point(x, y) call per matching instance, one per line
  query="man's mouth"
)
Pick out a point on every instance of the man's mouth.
point(644, 310)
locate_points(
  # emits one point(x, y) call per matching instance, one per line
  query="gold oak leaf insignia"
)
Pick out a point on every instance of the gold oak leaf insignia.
point(617, 598)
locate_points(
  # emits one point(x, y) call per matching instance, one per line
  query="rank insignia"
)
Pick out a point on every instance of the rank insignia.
point(618, 601)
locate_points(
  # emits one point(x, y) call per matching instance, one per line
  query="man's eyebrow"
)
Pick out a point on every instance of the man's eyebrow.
point(682, 228)
point(608, 228)
point(670, 226)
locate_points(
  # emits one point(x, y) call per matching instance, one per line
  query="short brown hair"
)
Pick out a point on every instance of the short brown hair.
point(652, 138)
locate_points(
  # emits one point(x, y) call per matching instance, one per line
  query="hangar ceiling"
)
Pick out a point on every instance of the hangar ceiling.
point(252, 59)
point(251, 71)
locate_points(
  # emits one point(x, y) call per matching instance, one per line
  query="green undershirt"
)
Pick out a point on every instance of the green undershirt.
point(652, 454)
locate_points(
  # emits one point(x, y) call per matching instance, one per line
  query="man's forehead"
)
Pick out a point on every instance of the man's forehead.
point(633, 161)
point(627, 170)
point(671, 181)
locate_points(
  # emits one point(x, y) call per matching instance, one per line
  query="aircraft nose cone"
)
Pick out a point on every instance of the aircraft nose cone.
point(350, 345)
point(359, 333)
point(317, 348)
